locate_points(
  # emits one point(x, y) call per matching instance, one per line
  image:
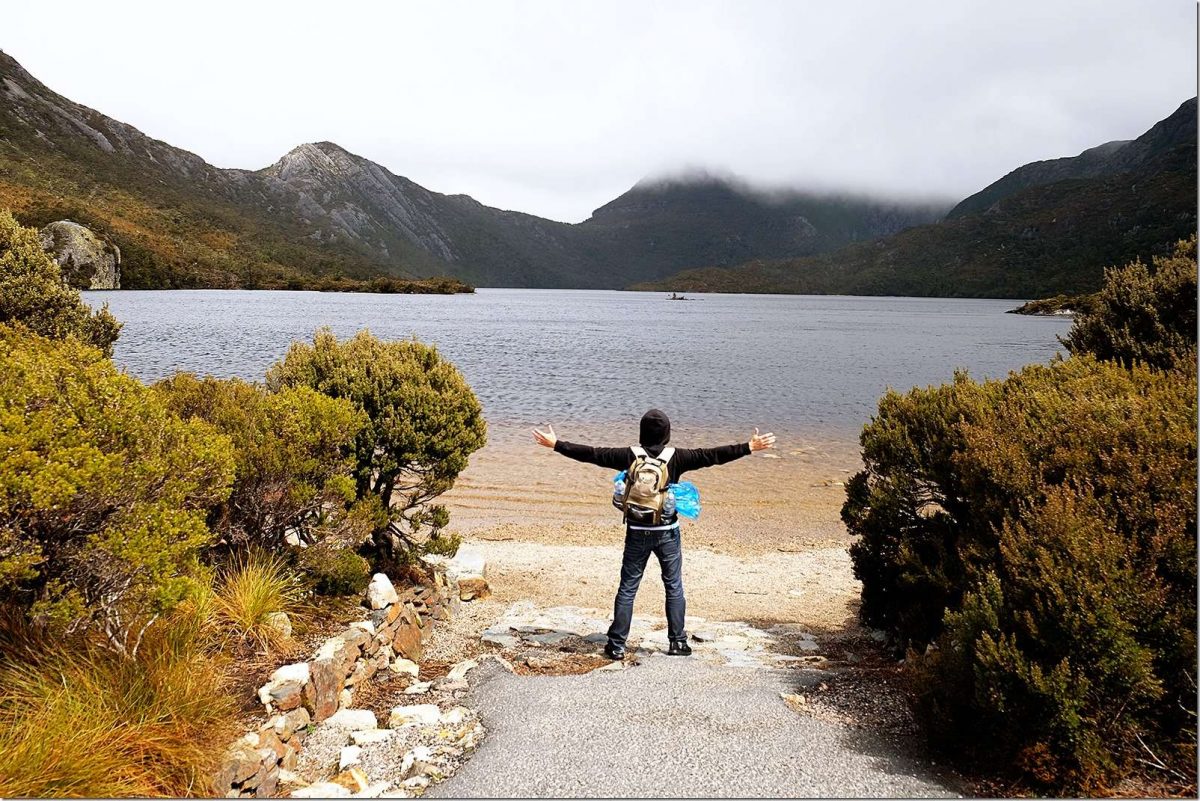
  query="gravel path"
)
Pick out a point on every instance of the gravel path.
point(671, 727)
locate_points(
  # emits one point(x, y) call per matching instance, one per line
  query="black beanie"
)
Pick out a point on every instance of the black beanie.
point(655, 429)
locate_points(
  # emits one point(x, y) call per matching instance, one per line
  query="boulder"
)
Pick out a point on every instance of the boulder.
point(380, 592)
point(407, 642)
point(329, 669)
point(87, 261)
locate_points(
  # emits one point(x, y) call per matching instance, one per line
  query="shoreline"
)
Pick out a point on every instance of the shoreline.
point(782, 500)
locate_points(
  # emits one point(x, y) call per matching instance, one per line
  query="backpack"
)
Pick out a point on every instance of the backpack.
point(646, 486)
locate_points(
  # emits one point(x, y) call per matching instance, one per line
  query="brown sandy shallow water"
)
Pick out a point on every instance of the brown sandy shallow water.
point(769, 545)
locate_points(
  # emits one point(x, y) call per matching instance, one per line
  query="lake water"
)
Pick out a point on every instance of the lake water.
point(590, 359)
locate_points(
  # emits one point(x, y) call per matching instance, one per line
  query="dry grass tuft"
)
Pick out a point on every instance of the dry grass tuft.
point(249, 591)
point(78, 720)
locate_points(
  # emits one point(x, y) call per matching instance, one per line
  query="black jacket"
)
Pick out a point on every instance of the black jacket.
point(655, 433)
point(685, 459)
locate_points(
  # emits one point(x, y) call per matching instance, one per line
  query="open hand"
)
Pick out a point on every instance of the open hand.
point(546, 438)
point(760, 442)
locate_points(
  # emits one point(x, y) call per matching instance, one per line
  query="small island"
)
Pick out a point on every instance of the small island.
point(1058, 305)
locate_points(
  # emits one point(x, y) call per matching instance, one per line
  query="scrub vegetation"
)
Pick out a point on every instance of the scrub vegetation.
point(1030, 546)
point(150, 536)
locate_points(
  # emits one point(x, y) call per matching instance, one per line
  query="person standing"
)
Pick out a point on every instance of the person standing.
point(651, 525)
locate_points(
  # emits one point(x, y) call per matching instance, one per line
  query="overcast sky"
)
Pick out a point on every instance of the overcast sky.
point(557, 107)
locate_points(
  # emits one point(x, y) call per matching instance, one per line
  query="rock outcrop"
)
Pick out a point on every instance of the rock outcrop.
point(300, 696)
point(87, 261)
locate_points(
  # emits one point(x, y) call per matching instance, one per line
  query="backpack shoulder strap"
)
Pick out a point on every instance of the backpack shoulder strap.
point(639, 451)
point(666, 454)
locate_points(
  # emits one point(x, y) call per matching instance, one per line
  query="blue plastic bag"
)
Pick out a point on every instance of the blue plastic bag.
point(687, 497)
point(687, 500)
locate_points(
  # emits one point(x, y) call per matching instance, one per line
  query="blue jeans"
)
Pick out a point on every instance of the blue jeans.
point(639, 545)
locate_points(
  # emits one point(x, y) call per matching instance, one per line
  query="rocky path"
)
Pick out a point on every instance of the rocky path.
point(729, 721)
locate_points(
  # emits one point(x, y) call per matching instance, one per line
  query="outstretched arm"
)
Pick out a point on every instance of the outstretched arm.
point(613, 458)
point(697, 458)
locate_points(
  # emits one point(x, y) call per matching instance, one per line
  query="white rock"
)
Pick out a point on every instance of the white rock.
point(455, 716)
point(459, 671)
point(380, 592)
point(405, 667)
point(371, 736)
point(415, 783)
point(415, 715)
point(345, 698)
point(365, 625)
point(808, 645)
point(330, 648)
point(350, 755)
point(297, 672)
point(418, 688)
point(322, 790)
point(352, 720)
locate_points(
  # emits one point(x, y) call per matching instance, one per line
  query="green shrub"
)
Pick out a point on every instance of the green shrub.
point(33, 292)
point(1143, 315)
point(1040, 532)
point(442, 544)
point(335, 570)
point(292, 456)
point(103, 492)
point(423, 421)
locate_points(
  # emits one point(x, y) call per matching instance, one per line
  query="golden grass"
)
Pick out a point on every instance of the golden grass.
point(251, 588)
point(78, 720)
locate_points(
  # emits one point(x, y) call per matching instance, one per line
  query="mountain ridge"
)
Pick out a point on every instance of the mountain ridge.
point(1046, 228)
point(321, 210)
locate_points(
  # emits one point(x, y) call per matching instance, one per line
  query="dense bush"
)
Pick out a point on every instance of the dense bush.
point(423, 421)
point(103, 492)
point(1032, 544)
point(335, 570)
point(1142, 314)
point(33, 292)
point(291, 453)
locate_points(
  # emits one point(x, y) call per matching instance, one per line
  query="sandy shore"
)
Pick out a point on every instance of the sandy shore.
point(769, 545)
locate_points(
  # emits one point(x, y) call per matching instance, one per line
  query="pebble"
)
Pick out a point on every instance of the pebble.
point(351, 755)
point(371, 736)
point(415, 715)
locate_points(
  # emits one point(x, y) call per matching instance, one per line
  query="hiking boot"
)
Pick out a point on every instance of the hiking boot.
point(679, 648)
point(614, 653)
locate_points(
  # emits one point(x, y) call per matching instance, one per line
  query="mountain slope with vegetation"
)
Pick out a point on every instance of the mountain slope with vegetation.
point(321, 214)
point(1047, 228)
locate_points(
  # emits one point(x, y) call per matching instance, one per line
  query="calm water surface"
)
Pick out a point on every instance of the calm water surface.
point(591, 358)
